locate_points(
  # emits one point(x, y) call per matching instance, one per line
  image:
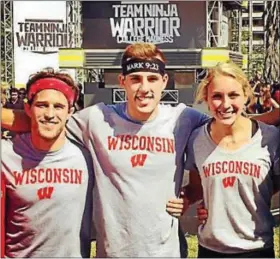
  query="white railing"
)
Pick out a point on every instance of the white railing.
point(275, 212)
point(168, 96)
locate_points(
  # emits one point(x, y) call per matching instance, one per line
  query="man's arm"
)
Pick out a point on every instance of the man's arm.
point(15, 120)
point(271, 118)
point(193, 191)
point(190, 194)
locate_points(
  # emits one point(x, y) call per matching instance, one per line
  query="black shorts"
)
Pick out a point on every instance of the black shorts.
point(183, 243)
point(260, 253)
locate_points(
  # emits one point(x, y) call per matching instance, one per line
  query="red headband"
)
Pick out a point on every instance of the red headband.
point(52, 83)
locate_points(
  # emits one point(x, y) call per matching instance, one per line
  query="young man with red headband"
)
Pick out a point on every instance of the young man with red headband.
point(138, 153)
point(47, 180)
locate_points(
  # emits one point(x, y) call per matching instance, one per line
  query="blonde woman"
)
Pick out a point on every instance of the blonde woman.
point(235, 160)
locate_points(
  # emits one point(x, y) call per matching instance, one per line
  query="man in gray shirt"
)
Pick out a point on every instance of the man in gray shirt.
point(47, 180)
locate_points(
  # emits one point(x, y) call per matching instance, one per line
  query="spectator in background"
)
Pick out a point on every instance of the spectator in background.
point(268, 86)
point(22, 93)
point(263, 102)
point(256, 81)
point(3, 97)
point(275, 92)
point(15, 102)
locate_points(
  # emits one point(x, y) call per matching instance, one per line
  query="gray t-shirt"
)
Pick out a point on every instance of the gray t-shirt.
point(48, 200)
point(237, 189)
point(138, 167)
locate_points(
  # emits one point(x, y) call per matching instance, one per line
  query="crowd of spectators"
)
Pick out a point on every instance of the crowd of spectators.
point(13, 98)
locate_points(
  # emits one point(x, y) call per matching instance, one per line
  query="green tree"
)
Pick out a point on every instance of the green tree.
point(244, 37)
point(256, 58)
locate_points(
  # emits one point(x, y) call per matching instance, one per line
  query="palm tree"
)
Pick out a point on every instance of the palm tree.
point(271, 64)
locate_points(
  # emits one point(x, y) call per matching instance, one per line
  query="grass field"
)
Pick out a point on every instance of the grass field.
point(192, 242)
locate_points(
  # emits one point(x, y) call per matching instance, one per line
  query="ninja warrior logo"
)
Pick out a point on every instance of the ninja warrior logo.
point(154, 23)
point(42, 36)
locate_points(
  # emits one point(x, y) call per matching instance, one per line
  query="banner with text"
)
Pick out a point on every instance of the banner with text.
point(172, 25)
point(38, 34)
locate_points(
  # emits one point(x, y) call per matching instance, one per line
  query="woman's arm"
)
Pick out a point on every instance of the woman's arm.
point(274, 103)
point(193, 191)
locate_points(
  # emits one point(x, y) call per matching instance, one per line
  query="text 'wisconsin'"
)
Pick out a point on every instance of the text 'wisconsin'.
point(48, 175)
point(134, 142)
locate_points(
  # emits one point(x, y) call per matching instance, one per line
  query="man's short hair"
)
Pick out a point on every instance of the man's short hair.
point(14, 90)
point(142, 50)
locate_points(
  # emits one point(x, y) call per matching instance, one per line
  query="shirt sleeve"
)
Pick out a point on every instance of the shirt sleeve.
point(190, 163)
point(198, 118)
point(78, 127)
point(192, 119)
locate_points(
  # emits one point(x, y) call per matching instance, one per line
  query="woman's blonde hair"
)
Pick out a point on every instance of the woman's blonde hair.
point(226, 69)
